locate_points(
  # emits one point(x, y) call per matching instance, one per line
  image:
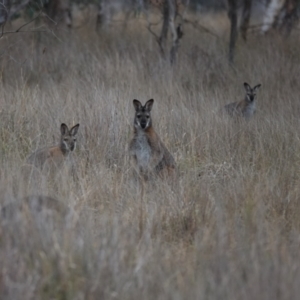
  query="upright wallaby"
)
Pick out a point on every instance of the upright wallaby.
point(246, 107)
point(56, 154)
point(149, 153)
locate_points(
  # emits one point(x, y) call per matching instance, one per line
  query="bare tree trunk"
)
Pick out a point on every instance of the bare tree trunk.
point(232, 14)
point(290, 16)
point(106, 11)
point(175, 40)
point(14, 8)
point(169, 16)
point(140, 5)
point(165, 27)
point(175, 46)
point(101, 16)
point(169, 12)
point(272, 11)
point(246, 14)
point(59, 10)
point(9, 9)
point(65, 11)
point(4, 11)
point(176, 32)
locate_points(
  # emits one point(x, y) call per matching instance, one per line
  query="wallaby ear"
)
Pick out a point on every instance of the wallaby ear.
point(74, 129)
point(149, 104)
point(137, 104)
point(247, 87)
point(257, 87)
point(63, 129)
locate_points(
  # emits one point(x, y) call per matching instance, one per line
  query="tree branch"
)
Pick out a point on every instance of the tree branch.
point(177, 35)
point(22, 26)
point(13, 10)
point(196, 25)
point(157, 38)
point(30, 21)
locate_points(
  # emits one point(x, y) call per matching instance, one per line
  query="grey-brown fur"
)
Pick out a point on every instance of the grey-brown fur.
point(56, 154)
point(150, 155)
point(246, 107)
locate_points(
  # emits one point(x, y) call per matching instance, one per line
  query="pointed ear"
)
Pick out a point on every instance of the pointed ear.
point(137, 104)
point(247, 87)
point(63, 129)
point(257, 87)
point(74, 129)
point(149, 104)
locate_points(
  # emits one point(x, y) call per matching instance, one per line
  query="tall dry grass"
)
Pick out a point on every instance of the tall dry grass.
point(231, 228)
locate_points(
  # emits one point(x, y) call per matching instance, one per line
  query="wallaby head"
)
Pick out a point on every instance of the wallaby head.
point(250, 93)
point(68, 137)
point(142, 119)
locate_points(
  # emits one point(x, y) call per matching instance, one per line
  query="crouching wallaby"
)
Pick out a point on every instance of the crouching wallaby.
point(150, 155)
point(247, 107)
point(55, 155)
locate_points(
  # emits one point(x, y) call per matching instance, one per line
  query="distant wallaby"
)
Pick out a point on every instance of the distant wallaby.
point(246, 107)
point(149, 153)
point(56, 154)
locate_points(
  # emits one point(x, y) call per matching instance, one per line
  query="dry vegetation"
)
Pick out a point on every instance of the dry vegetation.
point(231, 229)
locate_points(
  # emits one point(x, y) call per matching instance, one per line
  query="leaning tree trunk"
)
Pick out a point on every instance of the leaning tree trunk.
point(232, 14)
point(165, 27)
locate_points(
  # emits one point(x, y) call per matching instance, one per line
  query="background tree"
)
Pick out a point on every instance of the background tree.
point(232, 14)
point(170, 12)
point(245, 19)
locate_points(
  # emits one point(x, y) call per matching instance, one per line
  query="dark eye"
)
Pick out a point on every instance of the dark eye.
point(66, 139)
point(147, 117)
point(138, 116)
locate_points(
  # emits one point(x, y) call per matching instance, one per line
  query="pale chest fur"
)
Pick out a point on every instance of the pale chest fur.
point(141, 150)
point(249, 109)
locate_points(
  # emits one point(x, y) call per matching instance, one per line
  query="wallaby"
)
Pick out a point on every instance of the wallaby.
point(246, 107)
point(150, 155)
point(56, 154)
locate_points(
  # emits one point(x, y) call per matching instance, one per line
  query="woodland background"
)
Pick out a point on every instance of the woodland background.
point(231, 229)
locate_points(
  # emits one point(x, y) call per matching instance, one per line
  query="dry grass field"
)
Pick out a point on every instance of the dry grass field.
point(231, 227)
